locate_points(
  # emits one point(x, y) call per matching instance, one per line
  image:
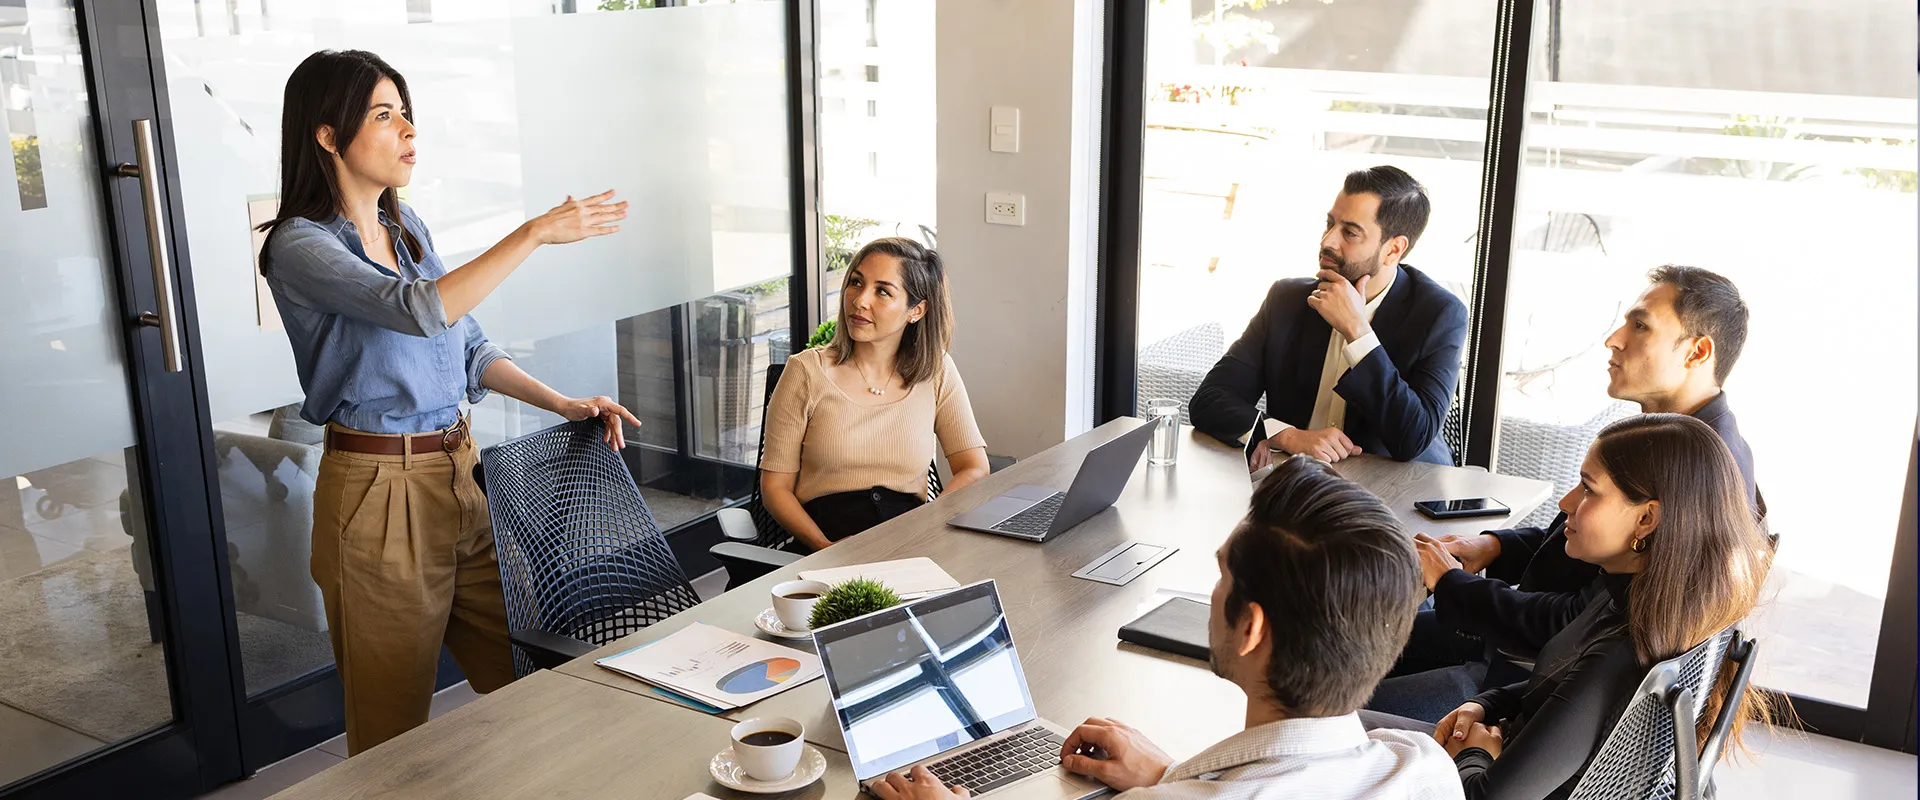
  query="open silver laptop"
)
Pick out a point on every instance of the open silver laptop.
point(1038, 513)
point(937, 682)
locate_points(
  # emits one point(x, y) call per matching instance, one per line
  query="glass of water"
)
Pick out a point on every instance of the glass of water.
point(1165, 416)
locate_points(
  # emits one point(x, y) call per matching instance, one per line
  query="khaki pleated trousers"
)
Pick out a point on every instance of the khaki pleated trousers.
point(403, 553)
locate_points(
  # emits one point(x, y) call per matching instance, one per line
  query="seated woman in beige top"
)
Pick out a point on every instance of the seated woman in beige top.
point(852, 425)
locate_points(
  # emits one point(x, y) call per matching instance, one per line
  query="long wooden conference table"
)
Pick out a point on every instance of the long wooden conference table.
point(584, 731)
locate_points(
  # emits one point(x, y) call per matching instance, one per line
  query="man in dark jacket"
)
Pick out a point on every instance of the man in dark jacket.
point(1361, 358)
point(1671, 354)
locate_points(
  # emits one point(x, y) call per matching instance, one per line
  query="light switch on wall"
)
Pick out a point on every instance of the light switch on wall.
point(1003, 132)
point(1006, 208)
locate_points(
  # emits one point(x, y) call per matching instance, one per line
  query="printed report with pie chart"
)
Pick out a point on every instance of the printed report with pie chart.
point(718, 667)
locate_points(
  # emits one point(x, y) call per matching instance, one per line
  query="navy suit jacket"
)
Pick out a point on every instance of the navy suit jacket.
point(1397, 397)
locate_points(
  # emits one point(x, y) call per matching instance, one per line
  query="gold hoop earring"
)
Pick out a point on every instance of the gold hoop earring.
point(1637, 544)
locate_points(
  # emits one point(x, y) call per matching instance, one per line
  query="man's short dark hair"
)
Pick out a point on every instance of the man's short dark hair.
point(1403, 201)
point(1708, 305)
point(1338, 579)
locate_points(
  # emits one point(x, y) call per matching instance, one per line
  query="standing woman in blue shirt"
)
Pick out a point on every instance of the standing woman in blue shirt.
point(402, 542)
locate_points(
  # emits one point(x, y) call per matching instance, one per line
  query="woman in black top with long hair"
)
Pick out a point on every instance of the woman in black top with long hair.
point(1662, 510)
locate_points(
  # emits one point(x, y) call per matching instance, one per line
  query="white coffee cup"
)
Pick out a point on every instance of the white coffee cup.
point(794, 611)
point(768, 762)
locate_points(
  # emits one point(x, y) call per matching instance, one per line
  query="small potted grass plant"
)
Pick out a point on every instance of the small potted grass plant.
point(853, 598)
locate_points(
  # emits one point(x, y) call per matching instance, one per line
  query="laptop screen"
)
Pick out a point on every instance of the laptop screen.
point(922, 678)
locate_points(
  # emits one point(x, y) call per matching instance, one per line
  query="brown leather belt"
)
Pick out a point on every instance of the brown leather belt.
point(446, 441)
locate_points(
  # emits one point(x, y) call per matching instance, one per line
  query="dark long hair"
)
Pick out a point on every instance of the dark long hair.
point(1706, 560)
point(923, 346)
point(333, 88)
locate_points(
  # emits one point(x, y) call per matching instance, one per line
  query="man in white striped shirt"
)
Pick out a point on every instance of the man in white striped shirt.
point(1320, 565)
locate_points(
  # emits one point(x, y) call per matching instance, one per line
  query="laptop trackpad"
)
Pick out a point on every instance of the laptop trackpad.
point(1054, 784)
point(1005, 505)
point(993, 511)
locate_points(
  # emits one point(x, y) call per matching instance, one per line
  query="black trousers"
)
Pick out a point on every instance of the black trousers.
point(846, 513)
point(1436, 646)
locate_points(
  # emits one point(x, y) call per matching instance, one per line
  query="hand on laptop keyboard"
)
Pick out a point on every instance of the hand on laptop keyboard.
point(918, 785)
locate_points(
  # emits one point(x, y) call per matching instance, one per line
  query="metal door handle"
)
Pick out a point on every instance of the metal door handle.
point(147, 169)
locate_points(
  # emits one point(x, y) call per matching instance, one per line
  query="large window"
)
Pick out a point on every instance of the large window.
point(876, 128)
point(1776, 149)
point(1773, 145)
point(1254, 114)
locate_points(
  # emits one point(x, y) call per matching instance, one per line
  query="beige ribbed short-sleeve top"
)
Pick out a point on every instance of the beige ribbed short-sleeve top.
point(836, 445)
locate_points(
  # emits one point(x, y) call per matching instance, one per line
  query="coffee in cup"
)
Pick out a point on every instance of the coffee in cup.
point(768, 748)
point(793, 602)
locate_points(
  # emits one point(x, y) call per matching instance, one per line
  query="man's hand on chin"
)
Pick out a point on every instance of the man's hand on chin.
point(1342, 303)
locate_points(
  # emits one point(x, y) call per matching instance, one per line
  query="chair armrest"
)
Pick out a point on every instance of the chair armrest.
point(736, 524)
point(746, 562)
point(548, 650)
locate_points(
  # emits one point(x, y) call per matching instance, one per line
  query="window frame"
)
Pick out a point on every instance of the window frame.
point(1888, 721)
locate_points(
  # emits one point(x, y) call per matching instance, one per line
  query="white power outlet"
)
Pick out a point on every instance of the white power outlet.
point(1006, 208)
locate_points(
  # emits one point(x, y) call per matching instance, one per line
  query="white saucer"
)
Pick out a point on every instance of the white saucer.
point(769, 623)
point(730, 774)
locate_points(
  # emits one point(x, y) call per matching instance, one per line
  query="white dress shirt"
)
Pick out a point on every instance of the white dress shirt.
point(1323, 758)
point(1329, 408)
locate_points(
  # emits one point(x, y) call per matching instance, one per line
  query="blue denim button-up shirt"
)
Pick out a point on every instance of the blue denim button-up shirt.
point(373, 348)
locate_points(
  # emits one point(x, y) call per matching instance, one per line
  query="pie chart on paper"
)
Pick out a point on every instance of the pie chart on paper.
point(758, 676)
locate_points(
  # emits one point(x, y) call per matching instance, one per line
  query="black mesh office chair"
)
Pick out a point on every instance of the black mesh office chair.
point(1651, 753)
point(581, 561)
point(756, 544)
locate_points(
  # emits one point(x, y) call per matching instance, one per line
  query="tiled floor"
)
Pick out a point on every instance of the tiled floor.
point(1801, 767)
point(29, 744)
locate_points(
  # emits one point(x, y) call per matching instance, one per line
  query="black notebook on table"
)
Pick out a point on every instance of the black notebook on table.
point(1178, 626)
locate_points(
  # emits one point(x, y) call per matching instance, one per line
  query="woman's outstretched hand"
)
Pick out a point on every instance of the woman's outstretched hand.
point(574, 220)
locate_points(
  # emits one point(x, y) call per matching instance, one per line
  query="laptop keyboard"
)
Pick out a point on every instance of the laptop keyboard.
point(1036, 520)
point(988, 768)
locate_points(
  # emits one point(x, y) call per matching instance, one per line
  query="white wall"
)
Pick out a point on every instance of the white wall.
point(1023, 295)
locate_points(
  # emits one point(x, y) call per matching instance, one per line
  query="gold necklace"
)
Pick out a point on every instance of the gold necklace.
point(863, 377)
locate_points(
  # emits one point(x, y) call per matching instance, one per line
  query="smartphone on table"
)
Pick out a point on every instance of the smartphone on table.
point(1462, 508)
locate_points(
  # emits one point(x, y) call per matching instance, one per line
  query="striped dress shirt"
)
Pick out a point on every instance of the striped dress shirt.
point(1324, 758)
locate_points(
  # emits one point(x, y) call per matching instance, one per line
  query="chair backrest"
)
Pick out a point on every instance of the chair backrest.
point(1550, 452)
point(1173, 368)
point(1454, 427)
point(580, 555)
point(771, 534)
point(1650, 752)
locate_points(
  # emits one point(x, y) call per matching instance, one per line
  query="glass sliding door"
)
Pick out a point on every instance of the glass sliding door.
point(81, 639)
point(113, 683)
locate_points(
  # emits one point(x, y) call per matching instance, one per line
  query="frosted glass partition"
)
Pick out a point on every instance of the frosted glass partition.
point(683, 110)
point(64, 393)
